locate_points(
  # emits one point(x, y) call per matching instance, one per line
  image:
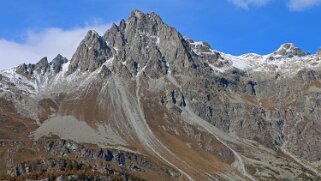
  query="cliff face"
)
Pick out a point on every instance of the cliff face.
point(142, 101)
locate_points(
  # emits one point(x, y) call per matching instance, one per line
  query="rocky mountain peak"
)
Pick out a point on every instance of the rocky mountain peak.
point(200, 46)
point(149, 23)
point(143, 39)
point(57, 63)
point(137, 13)
point(138, 25)
point(92, 52)
point(145, 35)
point(91, 37)
point(290, 50)
point(42, 66)
point(115, 35)
point(140, 15)
point(42, 62)
point(25, 70)
point(57, 57)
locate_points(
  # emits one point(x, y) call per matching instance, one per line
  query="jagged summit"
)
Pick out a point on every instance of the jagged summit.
point(144, 35)
point(143, 99)
point(144, 41)
point(290, 50)
point(42, 66)
point(57, 63)
point(92, 52)
point(137, 21)
point(140, 39)
point(42, 62)
point(139, 14)
point(91, 35)
point(136, 13)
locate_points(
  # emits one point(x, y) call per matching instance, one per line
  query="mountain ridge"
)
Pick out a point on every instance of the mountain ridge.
point(143, 99)
point(136, 14)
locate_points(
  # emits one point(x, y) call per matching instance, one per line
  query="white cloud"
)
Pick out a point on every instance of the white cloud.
point(301, 5)
point(49, 43)
point(245, 4)
point(294, 5)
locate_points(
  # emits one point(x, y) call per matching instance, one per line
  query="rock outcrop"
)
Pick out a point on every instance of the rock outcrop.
point(92, 52)
point(290, 50)
point(58, 62)
point(42, 66)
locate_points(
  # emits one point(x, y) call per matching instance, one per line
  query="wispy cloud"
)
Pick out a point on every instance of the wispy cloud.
point(301, 5)
point(293, 5)
point(246, 4)
point(48, 42)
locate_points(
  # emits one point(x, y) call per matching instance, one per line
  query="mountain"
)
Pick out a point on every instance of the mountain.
point(143, 102)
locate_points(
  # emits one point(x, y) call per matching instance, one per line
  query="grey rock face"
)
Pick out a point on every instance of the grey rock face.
point(26, 70)
point(143, 41)
point(202, 47)
point(274, 113)
point(115, 36)
point(42, 66)
point(57, 63)
point(67, 148)
point(91, 54)
point(205, 53)
point(105, 72)
point(146, 38)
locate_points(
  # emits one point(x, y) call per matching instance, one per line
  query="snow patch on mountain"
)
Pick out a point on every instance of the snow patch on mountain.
point(288, 59)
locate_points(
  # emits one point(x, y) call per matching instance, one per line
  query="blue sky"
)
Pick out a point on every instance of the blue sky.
point(36, 28)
